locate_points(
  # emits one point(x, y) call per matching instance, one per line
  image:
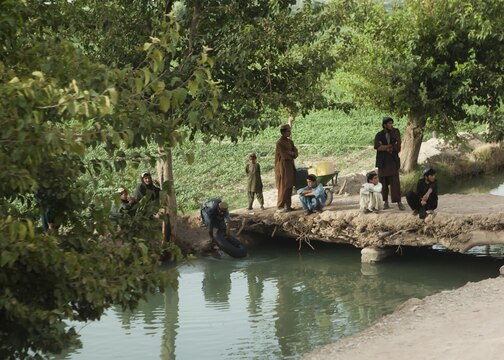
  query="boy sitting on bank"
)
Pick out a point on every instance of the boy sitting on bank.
point(425, 200)
point(371, 199)
point(313, 196)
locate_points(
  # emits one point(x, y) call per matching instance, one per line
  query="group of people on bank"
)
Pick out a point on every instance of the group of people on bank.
point(374, 194)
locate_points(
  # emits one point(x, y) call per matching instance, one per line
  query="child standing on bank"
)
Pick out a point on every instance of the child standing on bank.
point(254, 182)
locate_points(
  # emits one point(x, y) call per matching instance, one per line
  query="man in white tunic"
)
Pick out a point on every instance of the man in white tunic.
point(371, 199)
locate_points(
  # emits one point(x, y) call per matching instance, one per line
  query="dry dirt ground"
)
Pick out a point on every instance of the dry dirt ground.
point(462, 324)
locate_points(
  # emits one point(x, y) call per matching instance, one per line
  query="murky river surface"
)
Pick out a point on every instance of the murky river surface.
point(276, 304)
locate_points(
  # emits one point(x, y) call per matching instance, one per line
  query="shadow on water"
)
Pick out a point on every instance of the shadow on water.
point(277, 303)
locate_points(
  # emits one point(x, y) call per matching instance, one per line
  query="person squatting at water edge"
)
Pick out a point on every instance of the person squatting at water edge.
point(425, 200)
point(312, 197)
point(370, 194)
point(254, 182)
point(215, 215)
point(285, 170)
point(387, 144)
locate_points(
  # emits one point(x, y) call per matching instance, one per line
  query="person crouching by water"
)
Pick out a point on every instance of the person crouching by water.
point(370, 194)
point(425, 200)
point(312, 197)
point(215, 214)
point(146, 187)
point(254, 182)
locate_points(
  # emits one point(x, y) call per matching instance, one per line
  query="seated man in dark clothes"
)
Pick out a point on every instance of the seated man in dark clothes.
point(146, 187)
point(124, 207)
point(425, 200)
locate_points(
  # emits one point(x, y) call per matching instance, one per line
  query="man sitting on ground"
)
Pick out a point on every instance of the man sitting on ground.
point(215, 214)
point(371, 199)
point(125, 205)
point(425, 200)
point(312, 197)
point(146, 188)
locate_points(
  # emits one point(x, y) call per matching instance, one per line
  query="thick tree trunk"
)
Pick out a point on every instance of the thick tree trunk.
point(412, 141)
point(165, 176)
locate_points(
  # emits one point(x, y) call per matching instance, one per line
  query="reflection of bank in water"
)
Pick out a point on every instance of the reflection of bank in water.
point(277, 303)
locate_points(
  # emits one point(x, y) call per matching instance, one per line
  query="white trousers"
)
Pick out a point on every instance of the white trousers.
point(371, 200)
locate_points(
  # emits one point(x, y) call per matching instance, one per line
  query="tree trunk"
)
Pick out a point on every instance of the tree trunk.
point(412, 141)
point(165, 176)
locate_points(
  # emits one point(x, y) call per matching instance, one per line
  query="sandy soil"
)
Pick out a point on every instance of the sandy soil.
point(466, 323)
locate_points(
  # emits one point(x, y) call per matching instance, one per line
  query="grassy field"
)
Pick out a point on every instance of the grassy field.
point(219, 167)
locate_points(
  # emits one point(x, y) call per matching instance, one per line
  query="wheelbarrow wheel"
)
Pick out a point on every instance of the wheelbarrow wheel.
point(329, 197)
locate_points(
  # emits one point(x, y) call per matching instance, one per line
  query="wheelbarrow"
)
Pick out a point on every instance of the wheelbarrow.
point(328, 181)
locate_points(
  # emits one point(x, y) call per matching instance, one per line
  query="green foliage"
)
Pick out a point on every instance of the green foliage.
point(436, 61)
point(267, 58)
point(57, 104)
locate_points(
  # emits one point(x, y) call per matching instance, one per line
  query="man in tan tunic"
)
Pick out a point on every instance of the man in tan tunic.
point(285, 171)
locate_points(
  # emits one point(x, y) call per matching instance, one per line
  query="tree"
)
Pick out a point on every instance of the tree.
point(436, 62)
point(56, 105)
point(269, 59)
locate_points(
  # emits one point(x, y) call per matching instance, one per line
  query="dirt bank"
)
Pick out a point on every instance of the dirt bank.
point(461, 222)
point(460, 324)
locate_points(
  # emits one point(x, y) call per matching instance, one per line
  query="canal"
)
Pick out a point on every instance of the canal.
point(278, 303)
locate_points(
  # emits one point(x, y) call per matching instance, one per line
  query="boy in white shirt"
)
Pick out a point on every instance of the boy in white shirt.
point(371, 199)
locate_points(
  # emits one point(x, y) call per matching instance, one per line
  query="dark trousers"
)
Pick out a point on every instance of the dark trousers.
point(414, 202)
point(251, 195)
point(395, 188)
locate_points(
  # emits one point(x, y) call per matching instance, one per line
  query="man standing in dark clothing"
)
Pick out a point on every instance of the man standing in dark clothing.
point(425, 199)
point(285, 170)
point(387, 144)
point(146, 187)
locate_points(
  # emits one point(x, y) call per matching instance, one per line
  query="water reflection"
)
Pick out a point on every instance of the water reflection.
point(276, 304)
point(498, 190)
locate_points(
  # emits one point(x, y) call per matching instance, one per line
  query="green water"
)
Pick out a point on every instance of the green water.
point(490, 183)
point(278, 303)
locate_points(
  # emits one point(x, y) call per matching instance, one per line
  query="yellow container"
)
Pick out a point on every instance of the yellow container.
point(324, 168)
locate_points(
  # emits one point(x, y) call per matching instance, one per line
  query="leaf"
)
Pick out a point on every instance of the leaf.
point(113, 95)
point(158, 86)
point(147, 76)
point(38, 74)
point(179, 97)
point(193, 86)
point(22, 231)
point(190, 158)
point(164, 103)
